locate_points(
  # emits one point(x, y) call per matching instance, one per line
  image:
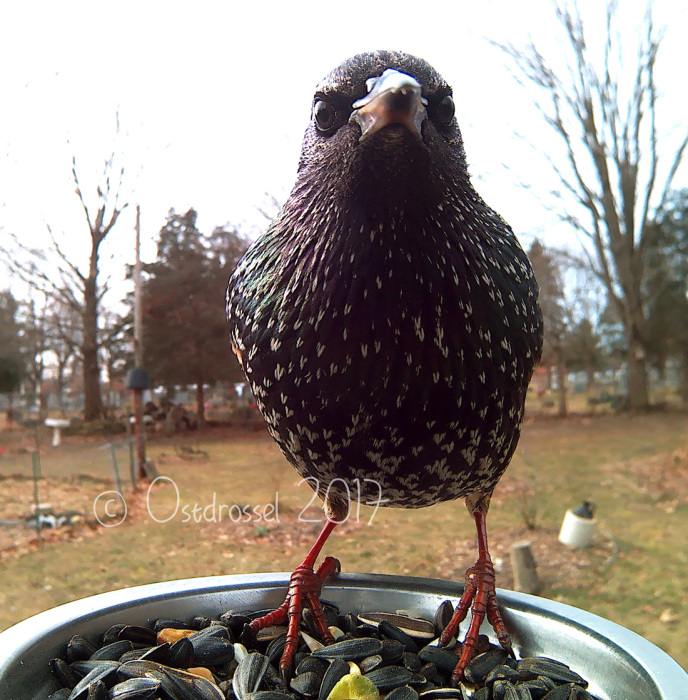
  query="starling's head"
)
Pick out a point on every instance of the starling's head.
point(383, 122)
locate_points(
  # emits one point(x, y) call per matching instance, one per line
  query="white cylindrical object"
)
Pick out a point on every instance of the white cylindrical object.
point(576, 531)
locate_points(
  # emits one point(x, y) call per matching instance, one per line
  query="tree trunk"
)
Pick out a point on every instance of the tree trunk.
point(93, 405)
point(200, 404)
point(42, 404)
point(589, 377)
point(61, 368)
point(93, 408)
point(660, 364)
point(638, 396)
point(684, 378)
point(562, 409)
point(548, 375)
point(10, 408)
point(60, 391)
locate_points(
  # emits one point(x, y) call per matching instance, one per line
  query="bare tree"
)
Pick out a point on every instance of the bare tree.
point(106, 216)
point(62, 279)
point(605, 113)
point(64, 333)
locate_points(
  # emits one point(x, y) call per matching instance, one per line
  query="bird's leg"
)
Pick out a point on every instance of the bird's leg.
point(305, 585)
point(478, 590)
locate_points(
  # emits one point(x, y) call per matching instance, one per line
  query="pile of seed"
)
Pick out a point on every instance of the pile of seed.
point(375, 655)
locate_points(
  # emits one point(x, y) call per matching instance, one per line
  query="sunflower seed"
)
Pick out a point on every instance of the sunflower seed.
point(249, 675)
point(413, 626)
point(350, 649)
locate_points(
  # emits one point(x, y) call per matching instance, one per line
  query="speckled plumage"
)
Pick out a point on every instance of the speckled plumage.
point(387, 321)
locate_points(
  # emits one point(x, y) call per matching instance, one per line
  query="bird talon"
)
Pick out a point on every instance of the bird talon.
point(479, 596)
point(305, 586)
point(329, 567)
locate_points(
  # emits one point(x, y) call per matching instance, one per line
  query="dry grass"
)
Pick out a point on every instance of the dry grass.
point(634, 467)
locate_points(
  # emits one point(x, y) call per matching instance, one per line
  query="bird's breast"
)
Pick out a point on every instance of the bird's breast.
point(395, 347)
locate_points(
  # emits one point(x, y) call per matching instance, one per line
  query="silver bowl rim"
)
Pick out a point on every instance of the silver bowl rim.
point(664, 671)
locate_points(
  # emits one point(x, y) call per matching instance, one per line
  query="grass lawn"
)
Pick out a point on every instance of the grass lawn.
point(635, 468)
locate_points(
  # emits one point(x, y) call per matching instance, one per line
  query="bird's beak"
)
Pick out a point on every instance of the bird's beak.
point(393, 98)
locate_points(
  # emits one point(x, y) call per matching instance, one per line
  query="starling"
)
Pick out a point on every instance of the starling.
point(387, 321)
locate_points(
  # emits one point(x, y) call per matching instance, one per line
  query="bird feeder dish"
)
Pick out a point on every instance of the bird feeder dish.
point(137, 378)
point(616, 662)
point(57, 424)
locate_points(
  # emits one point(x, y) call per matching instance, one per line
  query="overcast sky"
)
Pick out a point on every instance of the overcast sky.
point(213, 99)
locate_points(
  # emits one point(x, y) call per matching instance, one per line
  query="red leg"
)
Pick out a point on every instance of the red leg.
point(304, 586)
point(478, 590)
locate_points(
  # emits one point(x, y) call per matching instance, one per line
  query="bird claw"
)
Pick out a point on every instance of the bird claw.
point(480, 591)
point(305, 586)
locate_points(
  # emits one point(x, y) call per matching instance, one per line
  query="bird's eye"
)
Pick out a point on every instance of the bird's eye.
point(445, 110)
point(324, 114)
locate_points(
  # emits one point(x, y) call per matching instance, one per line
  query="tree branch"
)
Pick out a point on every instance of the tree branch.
point(652, 109)
point(75, 270)
point(79, 194)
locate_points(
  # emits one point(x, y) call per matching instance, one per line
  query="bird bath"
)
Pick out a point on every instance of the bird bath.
point(57, 424)
point(616, 662)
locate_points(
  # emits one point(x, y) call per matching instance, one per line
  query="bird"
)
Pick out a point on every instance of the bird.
point(387, 322)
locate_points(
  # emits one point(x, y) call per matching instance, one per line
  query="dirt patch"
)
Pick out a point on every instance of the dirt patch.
point(66, 506)
point(662, 478)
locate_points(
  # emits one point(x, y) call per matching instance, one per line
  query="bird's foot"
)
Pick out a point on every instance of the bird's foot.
point(480, 591)
point(305, 586)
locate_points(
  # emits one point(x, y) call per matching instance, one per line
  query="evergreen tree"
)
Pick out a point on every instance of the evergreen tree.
point(12, 366)
point(553, 305)
point(583, 350)
point(667, 286)
point(184, 322)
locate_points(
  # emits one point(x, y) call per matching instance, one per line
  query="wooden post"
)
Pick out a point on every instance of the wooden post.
point(525, 571)
point(139, 427)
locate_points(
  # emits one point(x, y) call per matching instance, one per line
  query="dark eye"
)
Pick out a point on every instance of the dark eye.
point(445, 110)
point(324, 114)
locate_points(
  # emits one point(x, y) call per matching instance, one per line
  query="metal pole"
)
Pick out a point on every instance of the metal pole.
point(36, 477)
point(115, 469)
point(37, 453)
point(139, 427)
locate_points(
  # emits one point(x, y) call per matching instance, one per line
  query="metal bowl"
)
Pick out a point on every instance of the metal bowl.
point(618, 664)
